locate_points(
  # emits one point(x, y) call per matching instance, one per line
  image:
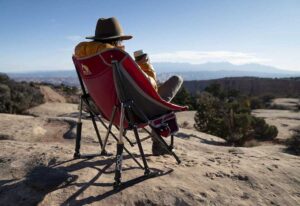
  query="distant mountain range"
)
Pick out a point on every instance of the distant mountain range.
point(219, 70)
point(165, 70)
point(216, 66)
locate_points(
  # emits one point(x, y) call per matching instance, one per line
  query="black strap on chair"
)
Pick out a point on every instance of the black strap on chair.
point(129, 112)
point(85, 99)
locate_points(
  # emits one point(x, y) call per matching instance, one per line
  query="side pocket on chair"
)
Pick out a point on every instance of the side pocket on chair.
point(165, 125)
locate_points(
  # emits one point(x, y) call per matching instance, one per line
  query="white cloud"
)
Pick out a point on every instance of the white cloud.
point(198, 57)
point(74, 38)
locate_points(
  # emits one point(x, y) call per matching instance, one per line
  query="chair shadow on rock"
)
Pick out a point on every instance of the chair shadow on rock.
point(34, 186)
point(42, 180)
point(94, 181)
point(202, 140)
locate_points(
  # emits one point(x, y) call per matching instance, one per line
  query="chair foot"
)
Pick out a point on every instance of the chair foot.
point(117, 185)
point(147, 172)
point(76, 155)
point(150, 174)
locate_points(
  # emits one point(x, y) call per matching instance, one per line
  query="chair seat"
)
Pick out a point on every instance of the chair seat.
point(98, 76)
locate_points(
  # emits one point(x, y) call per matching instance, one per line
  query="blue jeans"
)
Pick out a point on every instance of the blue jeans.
point(169, 88)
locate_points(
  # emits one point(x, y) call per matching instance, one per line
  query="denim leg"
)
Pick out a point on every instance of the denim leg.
point(166, 91)
point(169, 88)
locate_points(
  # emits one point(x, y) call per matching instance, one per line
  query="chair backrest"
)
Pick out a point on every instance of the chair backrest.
point(105, 84)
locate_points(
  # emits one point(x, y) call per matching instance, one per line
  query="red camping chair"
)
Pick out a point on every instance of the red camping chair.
point(125, 97)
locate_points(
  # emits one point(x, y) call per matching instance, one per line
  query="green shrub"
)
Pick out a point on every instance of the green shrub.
point(17, 97)
point(229, 117)
point(5, 99)
point(184, 98)
point(263, 131)
point(71, 93)
point(67, 90)
point(215, 90)
point(267, 98)
point(207, 117)
point(270, 133)
point(293, 143)
point(3, 78)
point(256, 103)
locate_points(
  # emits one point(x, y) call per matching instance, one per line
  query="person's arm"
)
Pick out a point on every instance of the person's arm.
point(148, 69)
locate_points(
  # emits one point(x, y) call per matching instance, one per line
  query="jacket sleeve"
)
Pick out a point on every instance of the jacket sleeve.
point(148, 69)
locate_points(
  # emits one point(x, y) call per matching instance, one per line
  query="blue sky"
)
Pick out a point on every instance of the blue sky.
point(41, 35)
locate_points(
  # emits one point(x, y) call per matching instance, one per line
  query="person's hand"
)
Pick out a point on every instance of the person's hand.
point(143, 59)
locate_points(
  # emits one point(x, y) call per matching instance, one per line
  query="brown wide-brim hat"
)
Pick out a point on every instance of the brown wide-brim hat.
point(109, 29)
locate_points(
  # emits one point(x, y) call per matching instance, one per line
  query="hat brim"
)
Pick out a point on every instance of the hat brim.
point(124, 37)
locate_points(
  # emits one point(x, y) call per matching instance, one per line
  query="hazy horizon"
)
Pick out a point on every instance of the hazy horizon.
point(178, 64)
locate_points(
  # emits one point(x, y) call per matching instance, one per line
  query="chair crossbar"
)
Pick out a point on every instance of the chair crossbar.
point(128, 111)
point(78, 136)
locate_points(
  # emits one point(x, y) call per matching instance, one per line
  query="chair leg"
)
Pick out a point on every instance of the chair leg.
point(112, 118)
point(78, 139)
point(165, 145)
point(171, 146)
point(147, 171)
point(96, 130)
point(78, 132)
point(143, 139)
point(114, 136)
point(138, 141)
point(124, 135)
point(118, 170)
point(120, 147)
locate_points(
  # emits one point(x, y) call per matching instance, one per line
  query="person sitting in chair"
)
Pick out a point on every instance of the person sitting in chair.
point(109, 34)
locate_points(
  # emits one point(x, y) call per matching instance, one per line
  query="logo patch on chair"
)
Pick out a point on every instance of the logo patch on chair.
point(165, 125)
point(85, 70)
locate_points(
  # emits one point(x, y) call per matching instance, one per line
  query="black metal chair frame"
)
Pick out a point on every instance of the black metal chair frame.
point(125, 107)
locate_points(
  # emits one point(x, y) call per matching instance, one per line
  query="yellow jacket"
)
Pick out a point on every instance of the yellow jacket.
point(84, 49)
